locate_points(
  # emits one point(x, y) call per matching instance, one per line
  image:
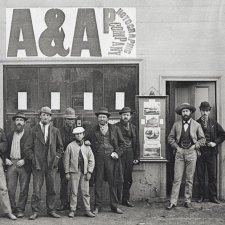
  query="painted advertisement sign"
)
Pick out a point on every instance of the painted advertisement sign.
point(70, 32)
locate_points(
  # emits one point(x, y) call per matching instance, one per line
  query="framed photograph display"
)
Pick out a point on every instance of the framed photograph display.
point(152, 127)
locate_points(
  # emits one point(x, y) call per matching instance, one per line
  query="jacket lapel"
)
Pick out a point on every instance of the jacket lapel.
point(39, 134)
point(179, 130)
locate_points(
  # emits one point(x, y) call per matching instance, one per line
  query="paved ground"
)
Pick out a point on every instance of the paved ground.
point(144, 213)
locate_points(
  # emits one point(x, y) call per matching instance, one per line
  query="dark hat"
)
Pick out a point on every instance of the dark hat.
point(185, 106)
point(104, 111)
point(205, 105)
point(70, 113)
point(20, 115)
point(46, 109)
point(126, 110)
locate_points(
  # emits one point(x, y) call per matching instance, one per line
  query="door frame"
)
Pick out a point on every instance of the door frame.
point(220, 114)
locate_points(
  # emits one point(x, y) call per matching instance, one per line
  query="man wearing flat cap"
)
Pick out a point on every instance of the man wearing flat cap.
point(131, 152)
point(185, 138)
point(214, 135)
point(108, 147)
point(44, 147)
point(18, 167)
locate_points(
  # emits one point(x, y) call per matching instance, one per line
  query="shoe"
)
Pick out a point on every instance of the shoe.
point(54, 214)
point(200, 200)
point(89, 214)
point(127, 203)
point(20, 214)
point(117, 210)
point(11, 216)
point(170, 206)
point(63, 207)
point(34, 216)
point(187, 205)
point(71, 214)
point(214, 200)
point(97, 210)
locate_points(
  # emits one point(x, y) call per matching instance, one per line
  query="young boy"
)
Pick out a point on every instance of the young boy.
point(79, 164)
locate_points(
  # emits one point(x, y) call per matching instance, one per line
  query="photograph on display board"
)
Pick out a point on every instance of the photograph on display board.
point(152, 120)
point(151, 134)
point(152, 150)
point(151, 108)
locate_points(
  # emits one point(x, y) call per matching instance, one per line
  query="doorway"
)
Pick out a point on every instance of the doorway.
point(194, 93)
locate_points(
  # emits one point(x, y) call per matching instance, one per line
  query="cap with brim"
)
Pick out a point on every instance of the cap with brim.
point(78, 130)
point(185, 106)
point(20, 115)
point(103, 111)
point(126, 110)
point(46, 110)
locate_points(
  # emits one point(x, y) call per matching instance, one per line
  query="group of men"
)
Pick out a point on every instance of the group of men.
point(195, 144)
point(40, 151)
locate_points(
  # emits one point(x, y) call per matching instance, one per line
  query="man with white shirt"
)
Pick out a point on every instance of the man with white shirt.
point(17, 167)
point(185, 138)
point(44, 147)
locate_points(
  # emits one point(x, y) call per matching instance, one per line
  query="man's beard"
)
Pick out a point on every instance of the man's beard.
point(19, 127)
point(186, 117)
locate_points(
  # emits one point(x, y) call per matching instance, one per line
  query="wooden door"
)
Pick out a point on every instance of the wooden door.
point(193, 93)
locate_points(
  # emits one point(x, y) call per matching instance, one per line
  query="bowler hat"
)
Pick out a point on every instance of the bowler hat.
point(20, 115)
point(103, 111)
point(78, 130)
point(70, 113)
point(185, 106)
point(46, 109)
point(205, 106)
point(126, 110)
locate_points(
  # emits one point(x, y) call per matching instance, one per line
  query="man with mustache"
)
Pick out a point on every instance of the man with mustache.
point(44, 147)
point(130, 155)
point(18, 167)
point(185, 138)
point(214, 135)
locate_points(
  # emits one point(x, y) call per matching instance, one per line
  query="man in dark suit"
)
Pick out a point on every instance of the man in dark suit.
point(185, 138)
point(214, 135)
point(107, 145)
point(44, 147)
point(131, 153)
point(18, 168)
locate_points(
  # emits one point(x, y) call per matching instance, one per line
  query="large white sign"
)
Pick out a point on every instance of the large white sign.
point(71, 32)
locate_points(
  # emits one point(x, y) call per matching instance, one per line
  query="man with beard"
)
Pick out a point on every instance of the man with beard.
point(214, 135)
point(185, 138)
point(130, 155)
point(44, 147)
point(67, 138)
point(108, 147)
point(4, 197)
point(18, 168)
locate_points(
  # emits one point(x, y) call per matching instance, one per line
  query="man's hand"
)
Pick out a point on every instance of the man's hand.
point(88, 176)
point(8, 162)
point(20, 163)
point(211, 144)
point(68, 176)
point(87, 143)
point(136, 161)
point(114, 155)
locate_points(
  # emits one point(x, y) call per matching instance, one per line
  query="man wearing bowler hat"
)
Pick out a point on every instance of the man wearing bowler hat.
point(108, 147)
point(185, 138)
point(131, 153)
point(214, 135)
point(44, 147)
point(18, 167)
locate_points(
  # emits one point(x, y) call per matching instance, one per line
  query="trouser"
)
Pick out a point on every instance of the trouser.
point(185, 159)
point(4, 197)
point(207, 161)
point(105, 167)
point(77, 178)
point(38, 180)
point(14, 174)
point(127, 167)
point(64, 189)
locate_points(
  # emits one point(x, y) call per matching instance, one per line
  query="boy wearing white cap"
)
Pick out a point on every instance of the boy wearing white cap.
point(79, 164)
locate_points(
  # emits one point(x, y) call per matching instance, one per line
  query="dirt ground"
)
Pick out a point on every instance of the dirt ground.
point(144, 213)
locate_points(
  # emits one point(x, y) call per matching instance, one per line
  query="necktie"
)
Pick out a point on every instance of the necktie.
point(104, 129)
point(204, 121)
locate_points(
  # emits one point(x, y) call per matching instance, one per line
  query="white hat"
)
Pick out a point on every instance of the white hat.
point(78, 130)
